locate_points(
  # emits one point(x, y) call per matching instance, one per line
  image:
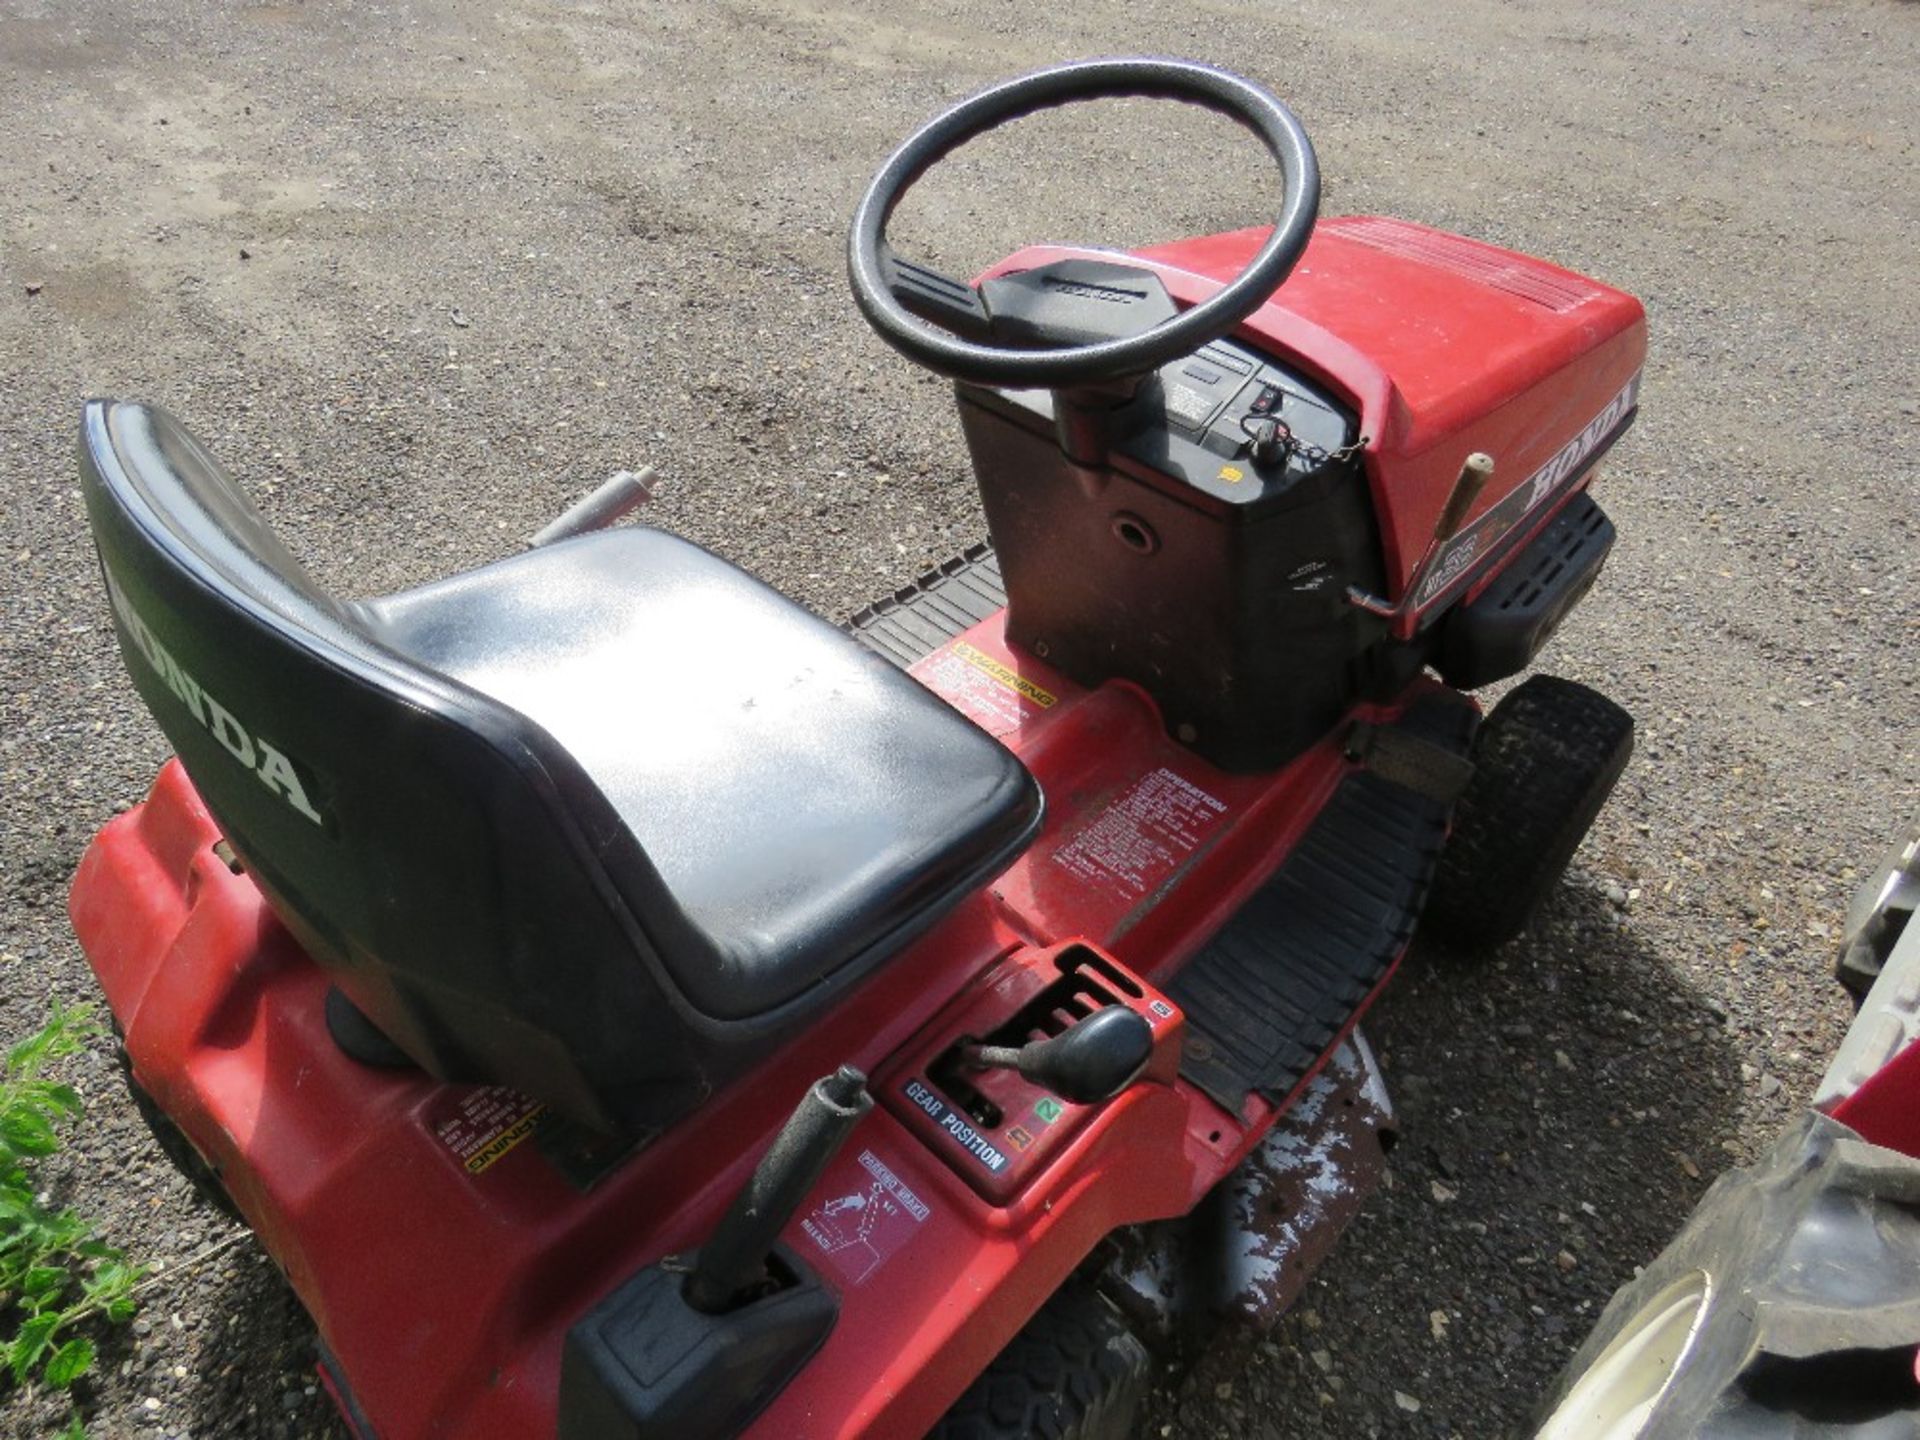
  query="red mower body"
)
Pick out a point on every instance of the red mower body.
point(449, 1323)
point(433, 1231)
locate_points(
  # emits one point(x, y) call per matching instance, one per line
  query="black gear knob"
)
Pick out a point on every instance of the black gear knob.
point(1091, 1060)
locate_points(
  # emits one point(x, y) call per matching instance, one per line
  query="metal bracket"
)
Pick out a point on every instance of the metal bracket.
point(1409, 760)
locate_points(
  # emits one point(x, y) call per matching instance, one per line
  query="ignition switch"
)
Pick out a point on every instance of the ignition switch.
point(1272, 442)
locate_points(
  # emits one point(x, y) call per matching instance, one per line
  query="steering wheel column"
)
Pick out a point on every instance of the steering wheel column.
point(1143, 509)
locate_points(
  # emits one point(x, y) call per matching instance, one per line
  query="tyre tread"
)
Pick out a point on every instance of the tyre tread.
point(1075, 1372)
point(1545, 762)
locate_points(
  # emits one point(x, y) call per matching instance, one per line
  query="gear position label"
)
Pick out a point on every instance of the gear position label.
point(955, 1124)
point(860, 1227)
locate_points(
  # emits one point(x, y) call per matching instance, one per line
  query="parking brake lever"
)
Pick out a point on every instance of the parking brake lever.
point(1091, 1060)
point(732, 1265)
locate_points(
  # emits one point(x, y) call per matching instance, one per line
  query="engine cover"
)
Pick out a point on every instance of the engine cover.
point(1445, 346)
point(1195, 552)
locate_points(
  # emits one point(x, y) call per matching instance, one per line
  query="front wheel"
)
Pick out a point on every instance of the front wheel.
point(1545, 761)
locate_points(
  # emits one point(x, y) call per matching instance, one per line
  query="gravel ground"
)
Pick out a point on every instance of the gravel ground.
point(422, 272)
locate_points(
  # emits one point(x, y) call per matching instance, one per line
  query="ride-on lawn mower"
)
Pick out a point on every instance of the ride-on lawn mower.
point(487, 944)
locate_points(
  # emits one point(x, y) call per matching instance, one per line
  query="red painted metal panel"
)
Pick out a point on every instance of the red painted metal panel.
point(1885, 1108)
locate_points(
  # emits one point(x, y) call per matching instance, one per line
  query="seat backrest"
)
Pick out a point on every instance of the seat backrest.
point(440, 853)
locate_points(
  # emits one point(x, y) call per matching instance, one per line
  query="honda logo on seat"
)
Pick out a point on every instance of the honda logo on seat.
point(269, 766)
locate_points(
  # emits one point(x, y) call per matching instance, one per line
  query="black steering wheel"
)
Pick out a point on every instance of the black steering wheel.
point(881, 279)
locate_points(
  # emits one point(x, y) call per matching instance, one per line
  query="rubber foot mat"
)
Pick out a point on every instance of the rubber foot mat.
point(1272, 991)
point(911, 624)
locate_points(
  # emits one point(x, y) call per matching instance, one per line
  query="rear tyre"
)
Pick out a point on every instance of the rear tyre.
point(1074, 1373)
point(1787, 1308)
point(1545, 761)
point(174, 1144)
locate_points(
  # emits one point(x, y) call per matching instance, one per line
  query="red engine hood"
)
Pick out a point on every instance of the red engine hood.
point(1444, 345)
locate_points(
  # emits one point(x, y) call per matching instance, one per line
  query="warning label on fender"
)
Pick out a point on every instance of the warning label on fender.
point(480, 1126)
point(989, 692)
point(1143, 836)
point(857, 1230)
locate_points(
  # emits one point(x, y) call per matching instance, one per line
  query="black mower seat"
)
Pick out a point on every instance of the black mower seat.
point(599, 822)
point(804, 802)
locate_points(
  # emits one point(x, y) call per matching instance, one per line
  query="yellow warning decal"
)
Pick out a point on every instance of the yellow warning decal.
point(499, 1145)
point(482, 1124)
point(1008, 677)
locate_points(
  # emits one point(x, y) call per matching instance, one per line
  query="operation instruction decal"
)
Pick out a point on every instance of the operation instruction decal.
point(865, 1220)
point(1143, 836)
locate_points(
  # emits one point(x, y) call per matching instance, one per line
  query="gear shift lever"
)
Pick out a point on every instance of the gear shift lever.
point(1091, 1060)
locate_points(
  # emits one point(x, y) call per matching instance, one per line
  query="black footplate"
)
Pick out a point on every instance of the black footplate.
point(1266, 997)
point(911, 624)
